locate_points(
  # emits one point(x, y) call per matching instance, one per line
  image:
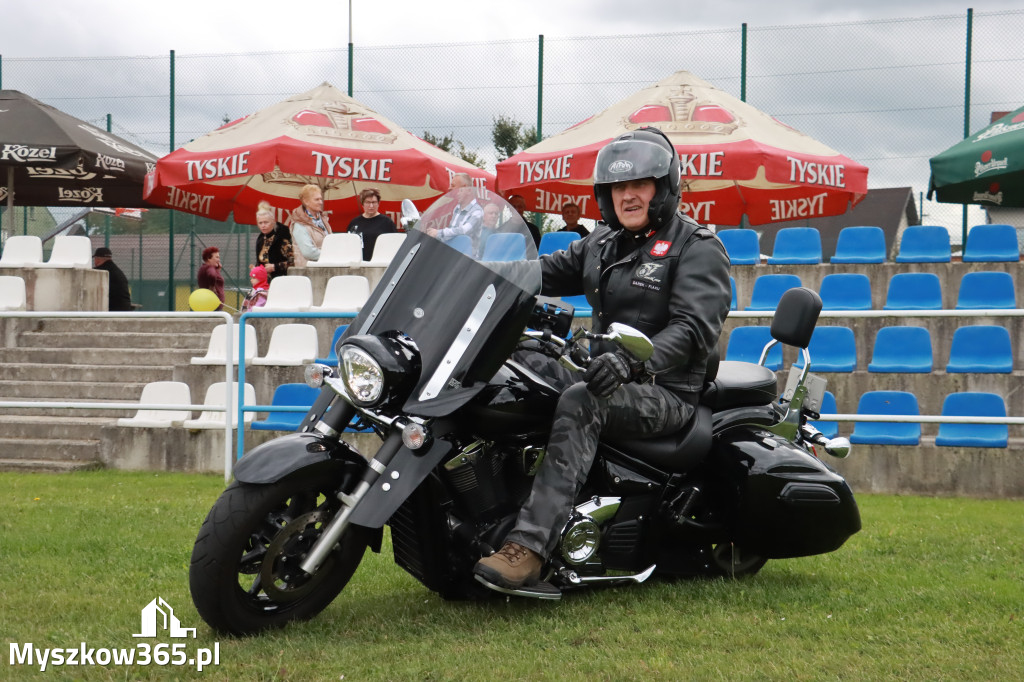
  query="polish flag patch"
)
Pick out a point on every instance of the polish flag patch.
point(660, 248)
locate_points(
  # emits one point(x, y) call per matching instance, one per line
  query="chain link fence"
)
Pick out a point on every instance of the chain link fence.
point(889, 94)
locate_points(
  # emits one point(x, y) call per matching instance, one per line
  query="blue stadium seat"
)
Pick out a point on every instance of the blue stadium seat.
point(832, 349)
point(981, 349)
point(861, 244)
point(462, 243)
point(555, 241)
point(732, 285)
point(992, 243)
point(332, 356)
point(746, 344)
point(924, 244)
point(580, 306)
point(986, 291)
point(768, 289)
point(971, 404)
point(505, 246)
point(887, 433)
point(845, 291)
point(828, 406)
point(796, 246)
point(742, 245)
point(914, 291)
point(290, 395)
point(902, 349)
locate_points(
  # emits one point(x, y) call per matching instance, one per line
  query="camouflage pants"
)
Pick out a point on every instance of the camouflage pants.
point(633, 411)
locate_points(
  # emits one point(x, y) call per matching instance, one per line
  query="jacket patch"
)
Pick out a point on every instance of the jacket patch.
point(649, 276)
point(660, 248)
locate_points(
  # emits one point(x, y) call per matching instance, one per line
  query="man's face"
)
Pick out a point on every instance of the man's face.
point(571, 214)
point(491, 213)
point(631, 200)
point(463, 191)
point(518, 203)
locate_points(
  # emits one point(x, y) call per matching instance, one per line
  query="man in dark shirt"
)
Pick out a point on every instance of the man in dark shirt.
point(571, 216)
point(371, 223)
point(120, 295)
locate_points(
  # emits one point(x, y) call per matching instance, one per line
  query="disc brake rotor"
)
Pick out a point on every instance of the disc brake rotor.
point(280, 574)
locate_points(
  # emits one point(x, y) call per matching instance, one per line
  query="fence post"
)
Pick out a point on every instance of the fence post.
point(170, 216)
point(967, 116)
point(540, 84)
point(350, 50)
point(743, 62)
point(106, 218)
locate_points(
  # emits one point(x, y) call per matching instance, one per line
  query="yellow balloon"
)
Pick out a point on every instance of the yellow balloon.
point(203, 301)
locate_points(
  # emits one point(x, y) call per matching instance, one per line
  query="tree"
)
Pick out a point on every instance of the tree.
point(510, 136)
point(453, 146)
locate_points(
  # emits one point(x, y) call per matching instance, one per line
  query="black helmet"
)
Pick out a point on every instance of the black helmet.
point(643, 153)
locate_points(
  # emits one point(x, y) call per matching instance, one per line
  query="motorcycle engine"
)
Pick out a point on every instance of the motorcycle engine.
point(489, 479)
point(581, 537)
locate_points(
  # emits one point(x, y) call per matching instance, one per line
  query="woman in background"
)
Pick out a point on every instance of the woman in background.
point(309, 226)
point(274, 245)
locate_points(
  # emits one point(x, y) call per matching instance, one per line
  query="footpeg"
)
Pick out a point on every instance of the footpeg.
point(540, 590)
point(573, 578)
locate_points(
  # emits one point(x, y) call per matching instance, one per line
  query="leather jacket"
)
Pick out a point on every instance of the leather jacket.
point(674, 288)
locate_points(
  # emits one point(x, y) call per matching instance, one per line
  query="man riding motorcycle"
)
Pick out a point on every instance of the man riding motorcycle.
point(648, 266)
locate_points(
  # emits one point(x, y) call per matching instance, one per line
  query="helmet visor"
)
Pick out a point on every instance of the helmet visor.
point(631, 159)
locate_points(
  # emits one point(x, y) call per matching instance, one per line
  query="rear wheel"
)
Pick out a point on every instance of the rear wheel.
point(733, 561)
point(245, 576)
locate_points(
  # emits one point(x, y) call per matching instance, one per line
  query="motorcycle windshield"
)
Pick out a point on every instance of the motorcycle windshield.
point(462, 287)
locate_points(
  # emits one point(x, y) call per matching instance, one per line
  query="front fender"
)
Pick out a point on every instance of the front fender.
point(276, 459)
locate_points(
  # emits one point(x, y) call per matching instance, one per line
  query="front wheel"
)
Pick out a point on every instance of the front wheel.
point(245, 576)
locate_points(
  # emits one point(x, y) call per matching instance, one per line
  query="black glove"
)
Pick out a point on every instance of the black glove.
point(609, 371)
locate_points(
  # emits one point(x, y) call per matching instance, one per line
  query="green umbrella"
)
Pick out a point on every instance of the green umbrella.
point(987, 168)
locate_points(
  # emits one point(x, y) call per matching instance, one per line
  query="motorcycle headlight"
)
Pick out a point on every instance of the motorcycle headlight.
point(363, 375)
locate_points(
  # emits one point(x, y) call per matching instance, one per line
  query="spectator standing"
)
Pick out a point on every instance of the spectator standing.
point(372, 223)
point(309, 226)
point(274, 245)
point(571, 216)
point(119, 294)
point(210, 276)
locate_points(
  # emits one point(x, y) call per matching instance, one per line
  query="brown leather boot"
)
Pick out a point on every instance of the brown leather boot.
point(510, 567)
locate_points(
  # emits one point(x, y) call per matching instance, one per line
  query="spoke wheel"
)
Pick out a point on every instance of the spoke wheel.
point(245, 575)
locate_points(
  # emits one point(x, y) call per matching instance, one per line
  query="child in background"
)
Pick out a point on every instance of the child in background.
point(257, 296)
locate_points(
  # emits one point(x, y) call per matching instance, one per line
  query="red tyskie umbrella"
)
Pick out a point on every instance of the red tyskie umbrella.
point(321, 137)
point(735, 160)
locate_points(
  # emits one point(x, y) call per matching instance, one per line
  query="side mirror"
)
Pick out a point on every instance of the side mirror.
point(631, 340)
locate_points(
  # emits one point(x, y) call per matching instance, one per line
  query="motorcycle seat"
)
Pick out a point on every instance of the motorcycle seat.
point(674, 452)
point(740, 384)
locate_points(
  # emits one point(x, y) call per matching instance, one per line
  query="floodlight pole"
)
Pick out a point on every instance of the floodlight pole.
point(967, 116)
point(350, 50)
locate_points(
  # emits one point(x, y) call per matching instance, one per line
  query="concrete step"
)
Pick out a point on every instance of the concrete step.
point(58, 414)
point(63, 449)
point(106, 325)
point(53, 466)
point(70, 390)
point(30, 371)
point(127, 357)
point(92, 339)
point(60, 426)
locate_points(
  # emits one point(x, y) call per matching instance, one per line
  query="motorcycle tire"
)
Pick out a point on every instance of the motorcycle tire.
point(731, 561)
point(240, 576)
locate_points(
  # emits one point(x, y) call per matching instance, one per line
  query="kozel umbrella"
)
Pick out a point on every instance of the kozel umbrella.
point(320, 137)
point(735, 160)
point(986, 168)
point(49, 158)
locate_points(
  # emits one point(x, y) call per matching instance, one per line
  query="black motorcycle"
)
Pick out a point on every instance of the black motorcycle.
point(427, 365)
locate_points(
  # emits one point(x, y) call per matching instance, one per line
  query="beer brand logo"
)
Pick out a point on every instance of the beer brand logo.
point(987, 163)
point(620, 166)
point(109, 162)
point(77, 173)
point(991, 197)
point(114, 144)
point(86, 195)
point(998, 129)
point(660, 248)
point(22, 153)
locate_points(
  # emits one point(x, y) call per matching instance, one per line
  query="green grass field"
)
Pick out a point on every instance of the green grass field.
point(931, 589)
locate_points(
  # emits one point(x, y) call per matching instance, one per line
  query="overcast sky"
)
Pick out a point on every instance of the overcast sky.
point(46, 28)
point(891, 118)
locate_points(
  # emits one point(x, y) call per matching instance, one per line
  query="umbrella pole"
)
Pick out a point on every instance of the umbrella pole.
point(10, 204)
